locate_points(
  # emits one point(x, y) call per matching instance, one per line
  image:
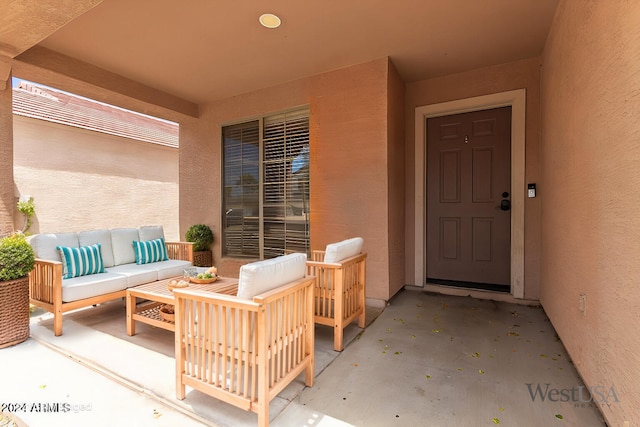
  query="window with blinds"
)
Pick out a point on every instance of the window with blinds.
point(266, 186)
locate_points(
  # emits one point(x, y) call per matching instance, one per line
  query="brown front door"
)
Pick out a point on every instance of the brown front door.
point(468, 197)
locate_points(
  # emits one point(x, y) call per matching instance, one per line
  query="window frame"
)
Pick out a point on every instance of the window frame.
point(295, 235)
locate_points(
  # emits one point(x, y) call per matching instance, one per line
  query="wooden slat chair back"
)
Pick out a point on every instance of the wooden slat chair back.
point(339, 292)
point(245, 351)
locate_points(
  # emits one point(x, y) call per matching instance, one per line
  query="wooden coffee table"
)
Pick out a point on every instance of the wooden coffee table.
point(158, 294)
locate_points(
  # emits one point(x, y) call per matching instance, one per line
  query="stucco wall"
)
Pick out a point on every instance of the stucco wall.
point(6, 159)
point(349, 162)
point(590, 181)
point(83, 180)
point(500, 78)
point(396, 168)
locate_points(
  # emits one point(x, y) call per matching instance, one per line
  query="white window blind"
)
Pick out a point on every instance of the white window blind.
point(266, 178)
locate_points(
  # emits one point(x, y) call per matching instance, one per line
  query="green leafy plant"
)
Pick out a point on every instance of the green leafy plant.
point(16, 257)
point(28, 208)
point(201, 236)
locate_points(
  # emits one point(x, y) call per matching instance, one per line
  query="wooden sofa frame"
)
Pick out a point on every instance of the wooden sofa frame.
point(339, 293)
point(45, 285)
point(244, 352)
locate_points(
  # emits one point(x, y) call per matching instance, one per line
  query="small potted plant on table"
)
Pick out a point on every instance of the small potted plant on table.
point(202, 237)
point(16, 261)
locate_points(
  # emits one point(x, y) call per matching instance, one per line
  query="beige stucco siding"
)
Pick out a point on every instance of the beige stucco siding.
point(396, 170)
point(590, 180)
point(349, 162)
point(84, 180)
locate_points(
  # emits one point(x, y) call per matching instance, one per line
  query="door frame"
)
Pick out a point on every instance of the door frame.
point(517, 100)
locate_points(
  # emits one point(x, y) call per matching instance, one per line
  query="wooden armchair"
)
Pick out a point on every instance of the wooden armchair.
point(339, 289)
point(245, 349)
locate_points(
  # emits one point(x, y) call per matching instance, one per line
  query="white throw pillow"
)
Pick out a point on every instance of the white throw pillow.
point(261, 276)
point(336, 252)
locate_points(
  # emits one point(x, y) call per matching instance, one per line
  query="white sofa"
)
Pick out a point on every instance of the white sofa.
point(115, 263)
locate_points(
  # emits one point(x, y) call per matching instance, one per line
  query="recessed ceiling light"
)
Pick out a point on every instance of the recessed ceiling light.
point(270, 20)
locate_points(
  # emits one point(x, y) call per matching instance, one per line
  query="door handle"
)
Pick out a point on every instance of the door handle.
point(505, 205)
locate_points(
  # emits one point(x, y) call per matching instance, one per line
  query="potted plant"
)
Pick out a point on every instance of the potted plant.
point(16, 261)
point(202, 237)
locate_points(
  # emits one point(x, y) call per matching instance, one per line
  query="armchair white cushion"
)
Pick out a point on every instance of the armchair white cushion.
point(336, 252)
point(261, 276)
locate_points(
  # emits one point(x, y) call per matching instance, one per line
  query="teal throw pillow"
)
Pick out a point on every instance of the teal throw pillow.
point(81, 261)
point(150, 251)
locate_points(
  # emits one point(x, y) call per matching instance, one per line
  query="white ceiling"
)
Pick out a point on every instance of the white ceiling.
point(202, 50)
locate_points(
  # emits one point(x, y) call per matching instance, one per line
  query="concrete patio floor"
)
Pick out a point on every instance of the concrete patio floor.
point(426, 360)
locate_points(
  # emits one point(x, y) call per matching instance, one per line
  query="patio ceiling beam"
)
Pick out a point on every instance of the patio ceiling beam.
point(69, 74)
point(25, 23)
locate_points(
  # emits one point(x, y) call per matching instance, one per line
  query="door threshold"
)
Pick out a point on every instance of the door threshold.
point(470, 285)
point(473, 293)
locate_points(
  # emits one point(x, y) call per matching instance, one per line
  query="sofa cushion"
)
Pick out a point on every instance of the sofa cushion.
point(170, 268)
point(91, 237)
point(261, 276)
point(121, 239)
point(44, 245)
point(150, 232)
point(81, 261)
point(135, 274)
point(93, 285)
point(150, 251)
point(336, 252)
